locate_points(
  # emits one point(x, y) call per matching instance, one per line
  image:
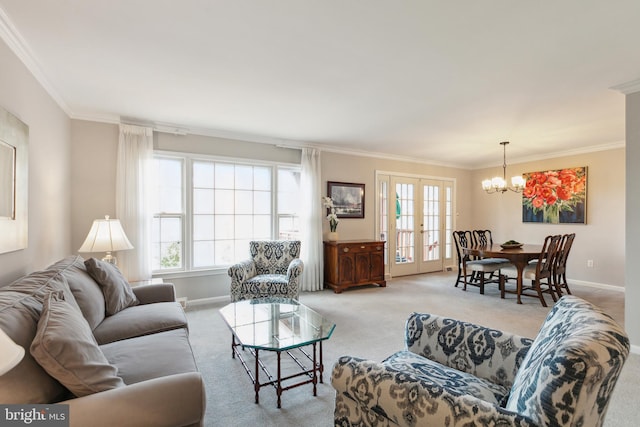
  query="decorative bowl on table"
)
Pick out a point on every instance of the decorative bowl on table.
point(511, 244)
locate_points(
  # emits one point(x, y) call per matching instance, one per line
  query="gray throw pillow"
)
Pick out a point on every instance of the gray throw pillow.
point(65, 347)
point(117, 291)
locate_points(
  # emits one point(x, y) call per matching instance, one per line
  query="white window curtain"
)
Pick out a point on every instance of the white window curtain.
point(311, 221)
point(133, 199)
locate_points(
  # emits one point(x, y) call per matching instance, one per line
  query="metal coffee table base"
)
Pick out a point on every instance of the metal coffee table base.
point(314, 374)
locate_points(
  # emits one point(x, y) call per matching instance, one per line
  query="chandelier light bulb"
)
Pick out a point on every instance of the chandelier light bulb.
point(498, 184)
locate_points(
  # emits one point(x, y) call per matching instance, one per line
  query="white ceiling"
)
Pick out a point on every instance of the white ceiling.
point(442, 82)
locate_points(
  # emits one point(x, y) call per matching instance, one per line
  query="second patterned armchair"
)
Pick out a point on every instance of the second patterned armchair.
point(454, 373)
point(274, 270)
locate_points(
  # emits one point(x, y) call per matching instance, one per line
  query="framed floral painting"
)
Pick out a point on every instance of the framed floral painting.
point(555, 196)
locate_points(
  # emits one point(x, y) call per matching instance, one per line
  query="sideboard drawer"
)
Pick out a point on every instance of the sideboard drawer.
point(353, 248)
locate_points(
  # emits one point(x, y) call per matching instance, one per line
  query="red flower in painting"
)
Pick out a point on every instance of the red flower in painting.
point(554, 191)
point(538, 202)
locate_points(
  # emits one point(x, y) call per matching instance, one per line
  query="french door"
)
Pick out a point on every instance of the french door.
point(416, 221)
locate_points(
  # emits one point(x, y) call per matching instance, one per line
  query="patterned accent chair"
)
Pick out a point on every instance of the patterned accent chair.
point(454, 373)
point(274, 270)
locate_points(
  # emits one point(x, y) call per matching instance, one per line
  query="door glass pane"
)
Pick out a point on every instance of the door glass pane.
point(449, 222)
point(383, 201)
point(431, 223)
point(405, 230)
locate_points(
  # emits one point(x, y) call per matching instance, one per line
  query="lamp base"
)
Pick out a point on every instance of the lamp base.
point(110, 259)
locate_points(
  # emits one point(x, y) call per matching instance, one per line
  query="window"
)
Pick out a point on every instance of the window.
point(168, 220)
point(206, 219)
point(288, 203)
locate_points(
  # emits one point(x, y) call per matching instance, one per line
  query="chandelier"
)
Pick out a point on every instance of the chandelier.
point(499, 185)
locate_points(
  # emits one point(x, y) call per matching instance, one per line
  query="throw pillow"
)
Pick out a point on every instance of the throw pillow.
point(117, 291)
point(65, 347)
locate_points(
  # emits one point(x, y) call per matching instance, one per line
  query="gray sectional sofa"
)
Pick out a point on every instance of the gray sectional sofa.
point(118, 356)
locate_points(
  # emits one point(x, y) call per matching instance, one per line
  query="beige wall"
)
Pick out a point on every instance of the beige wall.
point(49, 162)
point(94, 149)
point(601, 239)
point(632, 285)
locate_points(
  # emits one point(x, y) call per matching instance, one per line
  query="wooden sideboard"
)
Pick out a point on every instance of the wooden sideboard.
point(349, 263)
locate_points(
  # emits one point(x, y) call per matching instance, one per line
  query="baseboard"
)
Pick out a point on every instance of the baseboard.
point(602, 286)
point(209, 300)
point(635, 349)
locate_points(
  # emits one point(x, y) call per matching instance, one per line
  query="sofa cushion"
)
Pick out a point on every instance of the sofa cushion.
point(39, 283)
point(569, 372)
point(151, 356)
point(65, 347)
point(86, 291)
point(117, 291)
point(456, 382)
point(27, 382)
point(141, 320)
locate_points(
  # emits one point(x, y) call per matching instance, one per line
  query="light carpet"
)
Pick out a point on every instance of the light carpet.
point(370, 324)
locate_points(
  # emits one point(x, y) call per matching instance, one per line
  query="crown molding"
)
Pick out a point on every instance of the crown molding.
point(567, 153)
point(18, 45)
point(628, 87)
point(176, 129)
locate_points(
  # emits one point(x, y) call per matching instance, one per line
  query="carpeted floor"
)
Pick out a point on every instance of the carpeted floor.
point(370, 324)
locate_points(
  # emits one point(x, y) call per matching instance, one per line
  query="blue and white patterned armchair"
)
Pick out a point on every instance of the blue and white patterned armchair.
point(274, 270)
point(454, 373)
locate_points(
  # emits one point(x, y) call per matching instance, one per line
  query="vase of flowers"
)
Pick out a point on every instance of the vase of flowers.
point(332, 217)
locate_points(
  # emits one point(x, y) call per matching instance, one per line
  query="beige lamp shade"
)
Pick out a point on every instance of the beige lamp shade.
point(106, 235)
point(10, 353)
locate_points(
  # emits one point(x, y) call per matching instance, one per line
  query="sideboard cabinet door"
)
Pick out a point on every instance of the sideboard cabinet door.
point(349, 263)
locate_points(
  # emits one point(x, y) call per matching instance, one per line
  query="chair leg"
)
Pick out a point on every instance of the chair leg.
point(558, 287)
point(481, 283)
point(536, 285)
point(464, 275)
point(552, 290)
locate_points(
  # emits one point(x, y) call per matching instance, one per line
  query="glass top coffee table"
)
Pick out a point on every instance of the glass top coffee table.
point(280, 325)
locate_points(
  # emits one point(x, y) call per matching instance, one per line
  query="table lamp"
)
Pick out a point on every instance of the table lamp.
point(10, 353)
point(106, 235)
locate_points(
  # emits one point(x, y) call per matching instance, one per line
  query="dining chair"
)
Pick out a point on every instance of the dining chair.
point(482, 237)
point(541, 273)
point(560, 268)
point(481, 270)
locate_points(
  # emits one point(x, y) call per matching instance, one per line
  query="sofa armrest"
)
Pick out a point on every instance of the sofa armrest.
point(367, 390)
point(174, 400)
point(486, 353)
point(149, 294)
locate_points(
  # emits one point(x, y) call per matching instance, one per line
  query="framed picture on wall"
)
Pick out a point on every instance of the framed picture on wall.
point(348, 199)
point(555, 196)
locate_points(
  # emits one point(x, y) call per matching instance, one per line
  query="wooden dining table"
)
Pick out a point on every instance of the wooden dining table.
point(519, 257)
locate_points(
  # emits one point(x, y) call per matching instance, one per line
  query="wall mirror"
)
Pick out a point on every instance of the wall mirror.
point(14, 157)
